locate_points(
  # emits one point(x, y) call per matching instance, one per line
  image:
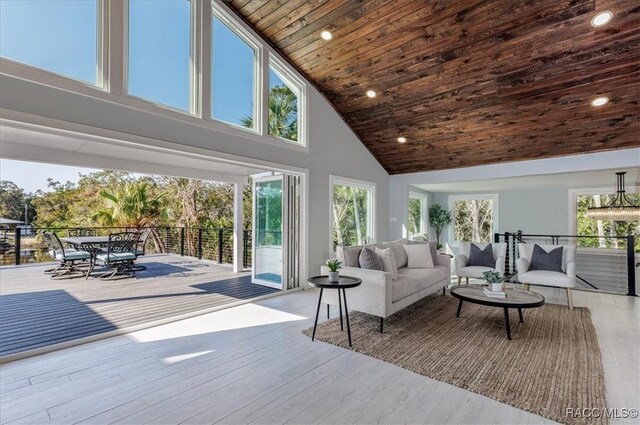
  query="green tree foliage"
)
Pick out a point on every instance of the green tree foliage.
point(350, 213)
point(588, 226)
point(415, 216)
point(439, 218)
point(283, 113)
point(12, 202)
point(473, 220)
point(132, 204)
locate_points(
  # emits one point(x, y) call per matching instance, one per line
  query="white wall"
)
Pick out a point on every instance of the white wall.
point(541, 210)
point(333, 147)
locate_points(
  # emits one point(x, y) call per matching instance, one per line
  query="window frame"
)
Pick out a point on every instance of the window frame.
point(359, 184)
point(44, 76)
point(573, 209)
point(218, 12)
point(194, 64)
point(424, 211)
point(299, 88)
point(494, 197)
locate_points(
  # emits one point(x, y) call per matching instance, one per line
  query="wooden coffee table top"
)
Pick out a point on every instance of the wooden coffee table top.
point(516, 298)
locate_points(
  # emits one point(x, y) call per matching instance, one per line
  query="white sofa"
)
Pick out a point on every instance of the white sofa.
point(565, 280)
point(382, 296)
point(462, 259)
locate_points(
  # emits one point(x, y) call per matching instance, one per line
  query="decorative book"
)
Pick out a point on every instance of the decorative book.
point(494, 294)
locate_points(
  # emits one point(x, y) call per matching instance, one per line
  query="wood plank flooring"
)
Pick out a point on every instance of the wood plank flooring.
point(36, 311)
point(251, 364)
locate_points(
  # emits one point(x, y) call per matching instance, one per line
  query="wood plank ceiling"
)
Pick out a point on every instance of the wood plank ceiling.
point(467, 82)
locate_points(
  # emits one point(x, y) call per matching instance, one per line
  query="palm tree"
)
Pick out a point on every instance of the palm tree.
point(130, 205)
point(283, 113)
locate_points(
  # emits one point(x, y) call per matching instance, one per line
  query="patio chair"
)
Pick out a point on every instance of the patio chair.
point(68, 258)
point(120, 255)
point(141, 249)
point(81, 231)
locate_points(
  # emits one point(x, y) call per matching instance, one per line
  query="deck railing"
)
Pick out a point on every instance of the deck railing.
point(601, 269)
point(208, 243)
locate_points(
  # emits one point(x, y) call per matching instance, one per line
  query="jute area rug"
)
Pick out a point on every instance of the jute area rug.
point(552, 363)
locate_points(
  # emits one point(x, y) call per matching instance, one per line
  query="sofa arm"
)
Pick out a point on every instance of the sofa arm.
point(571, 269)
point(500, 264)
point(461, 261)
point(373, 296)
point(522, 264)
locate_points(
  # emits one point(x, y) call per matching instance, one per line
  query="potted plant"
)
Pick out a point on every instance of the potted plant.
point(438, 219)
point(334, 274)
point(494, 279)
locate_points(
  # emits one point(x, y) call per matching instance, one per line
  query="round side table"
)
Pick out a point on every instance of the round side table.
point(344, 283)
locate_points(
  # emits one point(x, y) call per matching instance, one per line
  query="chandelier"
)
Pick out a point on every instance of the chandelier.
point(620, 209)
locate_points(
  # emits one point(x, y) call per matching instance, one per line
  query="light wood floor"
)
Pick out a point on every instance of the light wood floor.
point(251, 364)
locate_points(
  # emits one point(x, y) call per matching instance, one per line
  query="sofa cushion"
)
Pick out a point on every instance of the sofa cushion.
point(433, 246)
point(418, 256)
point(349, 255)
point(388, 261)
point(549, 261)
point(369, 260)
point(473, 271)
point(546, 278)
point(411, 281)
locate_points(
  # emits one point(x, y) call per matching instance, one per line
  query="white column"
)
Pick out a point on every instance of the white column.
point(237, 227)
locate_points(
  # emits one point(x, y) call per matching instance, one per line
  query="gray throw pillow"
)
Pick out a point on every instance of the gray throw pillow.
point(549, 261)
point(369, 259)
point(352, 255)
point(481, 257)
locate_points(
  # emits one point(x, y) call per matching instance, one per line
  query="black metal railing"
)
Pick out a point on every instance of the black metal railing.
point(208, 243)
point(611, 270)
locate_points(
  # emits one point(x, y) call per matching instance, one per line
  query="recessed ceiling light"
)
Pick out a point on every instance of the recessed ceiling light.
point(600, 101)
point(602, 18)
point(371, 93)
point(402, 139)
point(326, 35)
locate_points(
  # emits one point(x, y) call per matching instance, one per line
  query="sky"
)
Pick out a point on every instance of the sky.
point(60, 36)
point(32, 176)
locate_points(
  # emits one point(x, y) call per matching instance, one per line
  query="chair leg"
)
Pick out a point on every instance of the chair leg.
point(381, 324)
point(570, 298)
point(467, 280)
point(459, 280)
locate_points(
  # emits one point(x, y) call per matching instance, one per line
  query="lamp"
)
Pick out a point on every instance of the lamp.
point(620, 209)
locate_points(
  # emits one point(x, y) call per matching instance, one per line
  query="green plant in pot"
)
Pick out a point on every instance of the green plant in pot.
point(334, 265)
point(494, 279)
point(439, 218)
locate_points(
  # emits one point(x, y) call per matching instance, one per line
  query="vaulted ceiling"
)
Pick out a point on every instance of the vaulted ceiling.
point(467, 82)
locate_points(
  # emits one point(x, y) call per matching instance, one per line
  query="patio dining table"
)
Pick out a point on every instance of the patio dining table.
point(91, 244)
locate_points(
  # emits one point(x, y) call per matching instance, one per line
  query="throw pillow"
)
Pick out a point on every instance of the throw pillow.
point(398, 252)
point(388, 260)
point(418, 256)
point(481, 257)
point(369, 260)
point(433, 247)
point(549, 261)
point(351, 256)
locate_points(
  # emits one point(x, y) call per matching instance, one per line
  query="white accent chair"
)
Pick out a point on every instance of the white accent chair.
point(462, 259)
point(565, 280)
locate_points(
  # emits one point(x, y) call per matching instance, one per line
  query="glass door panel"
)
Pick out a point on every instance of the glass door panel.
point(267, 233)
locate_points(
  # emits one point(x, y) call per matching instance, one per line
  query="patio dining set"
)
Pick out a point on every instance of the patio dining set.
point(82, 250)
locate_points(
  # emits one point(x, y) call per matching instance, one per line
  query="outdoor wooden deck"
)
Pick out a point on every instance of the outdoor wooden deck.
point(36, 311)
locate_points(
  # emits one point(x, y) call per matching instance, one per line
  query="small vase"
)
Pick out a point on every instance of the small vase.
point(334, 277)
point(496, 286)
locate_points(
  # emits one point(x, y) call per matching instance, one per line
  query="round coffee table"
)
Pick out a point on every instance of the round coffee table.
point(516, 298)
point(344, 283)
